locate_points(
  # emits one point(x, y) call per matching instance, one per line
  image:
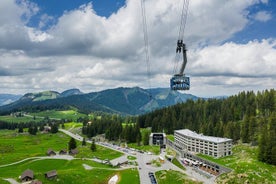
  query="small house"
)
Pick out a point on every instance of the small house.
point(27, 175)
point(63, 152)
point(47, 129)
point(51, 152)
point(51, 174)
point(73, 152)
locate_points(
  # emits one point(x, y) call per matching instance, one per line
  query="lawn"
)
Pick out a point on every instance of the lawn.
point(15, 147)
point(173, 177)
point(246, 167)
point(178, 164)
point(68, 114)
point(170, 137)
point(72, 125)
point(71, 172)
point(147, 148)
point(101, 152)
point(23, 119)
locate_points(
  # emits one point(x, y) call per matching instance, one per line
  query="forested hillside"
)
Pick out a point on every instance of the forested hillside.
point(124, 101)
point(248, 117)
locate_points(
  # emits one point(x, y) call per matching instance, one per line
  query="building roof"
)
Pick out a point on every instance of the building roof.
point(63, 151)
point(51, 174)
point(27, 173)
point(73, 151)
point(195, 135)
point(159, 133)
point(50, 151)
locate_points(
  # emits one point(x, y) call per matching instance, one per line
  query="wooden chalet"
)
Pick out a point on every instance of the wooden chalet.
point(27, 175)
point(73, 152)
point(63, 152)
point(51, 174)
point(51, 152)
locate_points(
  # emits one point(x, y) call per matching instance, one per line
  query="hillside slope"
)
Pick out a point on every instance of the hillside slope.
point(127, 101)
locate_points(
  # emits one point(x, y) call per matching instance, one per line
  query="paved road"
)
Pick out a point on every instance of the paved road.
point(12, 181)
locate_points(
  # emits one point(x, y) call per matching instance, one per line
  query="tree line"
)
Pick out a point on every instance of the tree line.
point(112, 127)
point(247, 116)
point(33, 127)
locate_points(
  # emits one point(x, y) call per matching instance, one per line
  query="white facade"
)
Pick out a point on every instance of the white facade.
point(198, 143)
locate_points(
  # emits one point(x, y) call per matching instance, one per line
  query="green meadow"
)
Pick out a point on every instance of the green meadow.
point(23, 119)
point(70, 171)
point(16, 147)
point(246, 167)
point(67, 114)
point(173, 177)
point(147, 148)
point(101, 152)
point(38, 116)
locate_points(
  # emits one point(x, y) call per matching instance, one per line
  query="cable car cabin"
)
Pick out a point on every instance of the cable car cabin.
point(180, 82)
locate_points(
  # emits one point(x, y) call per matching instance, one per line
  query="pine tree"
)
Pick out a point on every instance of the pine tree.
point(20, 129)
point(145, 137)
point(93, 146)
point(54, 128)
point(72, 144)
point(262, 145)
point(83, 142)
point(245, 130)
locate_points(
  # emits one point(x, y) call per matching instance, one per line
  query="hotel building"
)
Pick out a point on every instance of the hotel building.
point(190, 141)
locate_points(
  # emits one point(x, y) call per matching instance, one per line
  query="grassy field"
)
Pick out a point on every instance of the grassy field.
point(170, 137)
point(23, 119)
point(70, 172)
point(153, 149)
point(15, 147)
point(68, 114)
point(101, 153)
point(173, 177)
point(72, 125)
point(178, 164)
point(246, 167)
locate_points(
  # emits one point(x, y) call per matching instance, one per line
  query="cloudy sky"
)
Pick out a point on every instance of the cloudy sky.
point(98, 44)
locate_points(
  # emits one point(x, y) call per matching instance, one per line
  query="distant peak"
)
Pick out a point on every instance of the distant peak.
point(70, 92)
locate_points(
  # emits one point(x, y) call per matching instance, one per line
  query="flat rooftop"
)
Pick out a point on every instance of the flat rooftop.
point(195, 135)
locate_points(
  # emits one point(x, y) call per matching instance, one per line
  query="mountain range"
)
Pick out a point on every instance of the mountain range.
point(125, 101)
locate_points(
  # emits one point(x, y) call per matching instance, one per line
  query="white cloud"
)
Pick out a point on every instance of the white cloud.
point(263, 16)
point(91, 52)
point(248, 66)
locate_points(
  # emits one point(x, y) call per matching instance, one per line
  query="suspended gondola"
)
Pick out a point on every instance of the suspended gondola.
point(180, 81)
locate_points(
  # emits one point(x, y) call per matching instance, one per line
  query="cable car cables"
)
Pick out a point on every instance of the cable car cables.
point(146, 42)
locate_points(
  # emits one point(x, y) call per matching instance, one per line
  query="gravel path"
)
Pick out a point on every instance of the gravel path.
point(62, 157)
point(12, 181)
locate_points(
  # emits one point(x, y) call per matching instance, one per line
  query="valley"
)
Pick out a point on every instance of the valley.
point(31, 150)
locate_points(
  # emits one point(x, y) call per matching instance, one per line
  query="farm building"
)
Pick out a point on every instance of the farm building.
point(50, 152)
point(63, 152)
point(51, 174)
point(27, 175)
